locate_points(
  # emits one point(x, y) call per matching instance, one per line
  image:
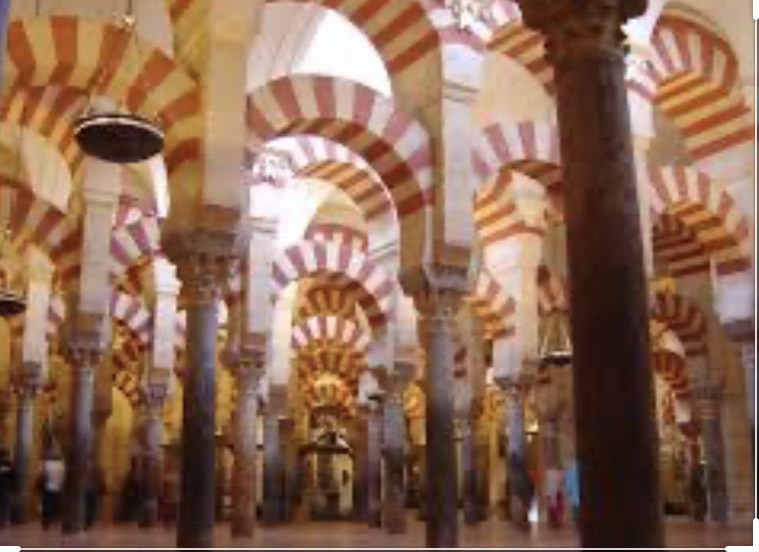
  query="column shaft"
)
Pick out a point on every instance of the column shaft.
point(273, 470)
point(714, 452)
point(244, 469)
point(198, 482)
point(394, 511)
point(152, 463)
point(610, 332)
point(79, 452)
point(468, 473)
point(23, 453)
point(360, 479)
point(441, 493)
point(373, 467)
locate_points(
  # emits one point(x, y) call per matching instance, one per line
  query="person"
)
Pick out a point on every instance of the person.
point(7, 487)
point(572, 489)
point(698, 493)
point(50, 484)
point(554, 497)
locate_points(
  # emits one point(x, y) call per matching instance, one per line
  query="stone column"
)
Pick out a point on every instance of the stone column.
point(101, 411)
point(84, 359)
point(514, 391)
point(394, 452)
point(612, 375)
point(273, 466)
point(468, 473)
point(30, 382)
point(438, 307)
point(155, 396)
point(289, 467)
point(248, 371)
point(707, 399)
point(360, 479)
point(204, 260)
point(374, 461)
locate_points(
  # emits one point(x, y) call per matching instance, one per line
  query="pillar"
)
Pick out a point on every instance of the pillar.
point(249, 371)
point(438, 307)
point(707, 401)
point(273, 465)
point(514, 391)
point(155, 397)
point(468, 473)
point(101, 411)
point(360, 480)
point(394, 452)
point(289, 454)
point(612, 376)
point(374, 462)
point(29, 384)
point(84, 359)
point(204, 259)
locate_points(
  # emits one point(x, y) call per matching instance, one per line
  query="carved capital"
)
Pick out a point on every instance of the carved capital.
point(577, 27)
point(28, 381)
point(437, 290)
point(205, 259)
point(514, 386)
point(155, 394)
point(83, 353)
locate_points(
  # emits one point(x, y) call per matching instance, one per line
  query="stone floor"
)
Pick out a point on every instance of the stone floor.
point(680, 533)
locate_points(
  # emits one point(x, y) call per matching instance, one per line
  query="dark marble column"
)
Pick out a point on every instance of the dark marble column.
point(437, 315)
point(249, 371)
point(289, 468)
point(273, 495)
point(482, 475)
point(514, 391)
point(394, 452)
point(155, 396)
point(360, 480)
point(27, 389)
point(468, 471)
point(707, 401)
point(374, 463)
point(84, 359)
point(204, 259)
point(609, 316)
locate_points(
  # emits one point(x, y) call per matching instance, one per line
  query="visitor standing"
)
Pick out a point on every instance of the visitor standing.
point(51, 484)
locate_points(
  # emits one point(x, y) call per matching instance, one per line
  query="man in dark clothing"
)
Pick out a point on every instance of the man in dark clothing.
point(522, 490)
point(7, 487)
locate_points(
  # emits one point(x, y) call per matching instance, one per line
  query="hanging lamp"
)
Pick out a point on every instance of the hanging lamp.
point(118, 136)
point(556, 346)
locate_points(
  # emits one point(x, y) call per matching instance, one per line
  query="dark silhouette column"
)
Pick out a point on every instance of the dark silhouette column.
point(273, 498)
point(155, 396)
point(394, 452)
point(608, 289)
point(374, 462)
point(204, 260)
point(84, 356)
point(707, 400)
point(29, 384)
point(360, 480)
point(249, 370)
point(437, 298)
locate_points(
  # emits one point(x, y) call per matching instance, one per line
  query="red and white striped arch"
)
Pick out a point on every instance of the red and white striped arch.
point(696, 73)
point(103, 59)
point(128, 383)
point(308, 258)
point(49, 111)
point(34, 221)
point(320, 158)
point(525, 47)
point(345, 236)
point(684, 318)
point(329, 392)
point(318, 330)
point(493, 306)
point(327, 300)
point(708, 214)
point(343, 363)
point(133, 313)
point(394, 144)
point(134, 242)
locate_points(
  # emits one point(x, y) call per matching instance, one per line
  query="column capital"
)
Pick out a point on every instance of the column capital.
point(572, 26)
point(28, 381)
point(437, 290)
point(155, 394)
point(514, 385)
point(83, 353)
point(205, 259)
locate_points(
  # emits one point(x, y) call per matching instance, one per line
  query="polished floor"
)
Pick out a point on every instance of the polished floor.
point(680, 533)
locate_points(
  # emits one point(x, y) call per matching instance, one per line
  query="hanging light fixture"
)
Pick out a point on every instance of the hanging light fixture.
point(555, 347)
point(118, 136)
